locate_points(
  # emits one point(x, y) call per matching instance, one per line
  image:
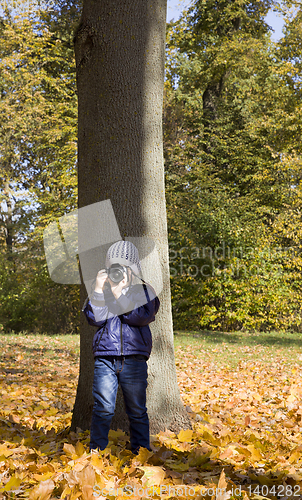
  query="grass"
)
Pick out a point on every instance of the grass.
point(48, 345)
point(220, 348)
point(37, 355)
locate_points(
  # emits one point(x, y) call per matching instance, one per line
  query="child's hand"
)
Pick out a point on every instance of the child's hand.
point(101, 279)
point(116, 288)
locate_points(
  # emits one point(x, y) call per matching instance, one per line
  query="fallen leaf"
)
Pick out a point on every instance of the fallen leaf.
point(185, 436)
point(43, 491)
point(153, 476)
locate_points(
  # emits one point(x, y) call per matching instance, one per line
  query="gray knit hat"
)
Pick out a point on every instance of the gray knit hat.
point(125, 254)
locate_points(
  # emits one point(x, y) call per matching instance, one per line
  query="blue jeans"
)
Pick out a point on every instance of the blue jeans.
point(131, 374)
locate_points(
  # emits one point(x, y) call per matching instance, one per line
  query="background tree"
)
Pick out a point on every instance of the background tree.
point(232, 164)
point(38, 115)
point(230, 111)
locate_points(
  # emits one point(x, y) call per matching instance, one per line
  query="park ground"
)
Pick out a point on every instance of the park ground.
point(243, 394)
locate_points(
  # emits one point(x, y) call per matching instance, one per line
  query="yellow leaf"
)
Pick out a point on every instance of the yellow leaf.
point(12, 484)
point(51, 412)
point(257, 396)
point(178, 466)
point(216, 408)
point(80, 463)
point(279, 415)
point(255, 453)
point(198, 457)
point(116, 435)
point(87, 476)
point(43, 477)
point(152, 476)
point(5, 451)
point(75, 495)
point(79, 449)
point(185, 435)
point(288, 424)
point(72, 479)
point(143, 455)
point(296, 455)
point(266, 480)
point(221, 491)
point(291, 398)
point(97, 463)
point(69, 450)
point(87, 492)
point(227, 453)
point(66, 491)
point(43, 491)
point(182, 446)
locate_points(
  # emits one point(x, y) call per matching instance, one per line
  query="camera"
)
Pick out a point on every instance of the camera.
point(116, 273)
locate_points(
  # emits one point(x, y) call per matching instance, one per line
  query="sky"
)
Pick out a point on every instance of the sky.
point(275, 21)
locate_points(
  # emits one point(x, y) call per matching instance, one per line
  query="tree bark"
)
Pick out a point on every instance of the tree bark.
point(8, 220)
point(119, 47)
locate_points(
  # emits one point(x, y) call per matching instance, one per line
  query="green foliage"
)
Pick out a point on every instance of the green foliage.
point(233, 168)
point(38, 128)
point(232, 145)
point(31, 302)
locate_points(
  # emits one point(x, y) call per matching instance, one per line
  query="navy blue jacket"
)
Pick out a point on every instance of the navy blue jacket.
point(123, 323)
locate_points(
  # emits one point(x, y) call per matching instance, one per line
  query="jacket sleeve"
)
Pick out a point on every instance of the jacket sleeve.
point(136, 310)
point(140, 315)
point(96, 311)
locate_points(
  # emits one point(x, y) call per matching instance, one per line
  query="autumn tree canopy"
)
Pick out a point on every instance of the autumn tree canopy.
point(232, 128)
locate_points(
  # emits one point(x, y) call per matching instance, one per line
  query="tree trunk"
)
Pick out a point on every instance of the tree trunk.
point(8, 221)
point(119, 47)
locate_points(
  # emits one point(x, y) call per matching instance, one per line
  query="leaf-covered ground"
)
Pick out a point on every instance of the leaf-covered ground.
point(243, 395)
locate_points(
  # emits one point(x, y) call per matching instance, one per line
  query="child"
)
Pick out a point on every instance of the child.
point(122, 344)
